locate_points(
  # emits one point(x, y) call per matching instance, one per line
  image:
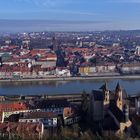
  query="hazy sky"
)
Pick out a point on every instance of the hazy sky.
point(83, 14)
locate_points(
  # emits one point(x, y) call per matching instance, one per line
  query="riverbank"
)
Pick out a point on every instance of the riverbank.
point(74, 78)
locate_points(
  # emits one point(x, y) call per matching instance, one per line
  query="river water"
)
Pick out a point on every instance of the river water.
point(65, 87)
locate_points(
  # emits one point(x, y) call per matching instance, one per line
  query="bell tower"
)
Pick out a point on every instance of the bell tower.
point(106, 92)
point(55, 44)
point(119, 97)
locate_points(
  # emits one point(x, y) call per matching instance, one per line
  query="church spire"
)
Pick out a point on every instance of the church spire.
point(104, 87)
point(118, 87)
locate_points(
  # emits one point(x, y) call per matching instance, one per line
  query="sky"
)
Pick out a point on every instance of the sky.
point(69, 15)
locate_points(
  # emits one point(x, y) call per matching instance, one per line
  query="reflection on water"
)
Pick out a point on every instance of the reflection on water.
point(65, 87)
point(33, 83)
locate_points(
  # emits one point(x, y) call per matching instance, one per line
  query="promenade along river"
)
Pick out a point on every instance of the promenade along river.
point(132, 86)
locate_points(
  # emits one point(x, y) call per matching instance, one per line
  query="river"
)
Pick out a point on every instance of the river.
point(65, 87)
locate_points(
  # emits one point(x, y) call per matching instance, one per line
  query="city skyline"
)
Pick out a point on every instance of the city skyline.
point(54, 15)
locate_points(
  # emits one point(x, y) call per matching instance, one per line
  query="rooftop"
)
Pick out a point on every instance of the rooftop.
point(21, 128)
point(98, 95)
point(49, 103)
point(35, 115)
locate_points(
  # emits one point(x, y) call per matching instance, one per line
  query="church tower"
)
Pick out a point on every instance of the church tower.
point(55, 45)
point(106, 92)
point(0, 61)
point(119, 97)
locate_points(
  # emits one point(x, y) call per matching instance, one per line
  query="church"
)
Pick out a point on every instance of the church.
point(109, 109)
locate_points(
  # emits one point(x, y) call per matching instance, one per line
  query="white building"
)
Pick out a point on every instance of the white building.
point(63, 72)
point(137, 51)
point(49, 119)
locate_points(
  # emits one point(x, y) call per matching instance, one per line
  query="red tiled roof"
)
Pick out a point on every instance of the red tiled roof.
point(20, 67)
point(50, 55)
point(21, 128)
point(31, 115)
point(81, 49)
point(12, 106)
point(13, 47)
point(37, 51)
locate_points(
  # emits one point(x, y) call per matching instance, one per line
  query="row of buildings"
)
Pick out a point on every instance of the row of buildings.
point(34, 117)
point(64, 59)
